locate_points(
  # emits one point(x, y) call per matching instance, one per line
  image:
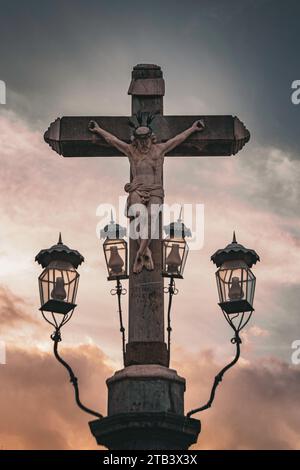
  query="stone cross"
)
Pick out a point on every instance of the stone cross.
point(222, 136)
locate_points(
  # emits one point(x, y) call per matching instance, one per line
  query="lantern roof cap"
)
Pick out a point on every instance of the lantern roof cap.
point(177, 229)
point(112, 230)
point(235, 251)
point(59, 252)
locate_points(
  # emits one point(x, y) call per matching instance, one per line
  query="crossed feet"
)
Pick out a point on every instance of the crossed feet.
point(143, 260)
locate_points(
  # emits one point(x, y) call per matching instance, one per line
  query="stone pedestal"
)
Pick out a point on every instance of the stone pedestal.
point(146, 411)
point(146, 431)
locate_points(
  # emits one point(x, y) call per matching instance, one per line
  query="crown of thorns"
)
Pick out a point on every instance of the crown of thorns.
point(142, 124)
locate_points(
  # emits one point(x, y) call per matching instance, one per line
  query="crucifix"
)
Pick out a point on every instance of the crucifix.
point(154, 137)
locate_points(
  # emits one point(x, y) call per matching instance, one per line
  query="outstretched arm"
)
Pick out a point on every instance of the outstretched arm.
point(198, 126)
point(110, 138)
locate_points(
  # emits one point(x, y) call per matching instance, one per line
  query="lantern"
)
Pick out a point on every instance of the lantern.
point(175, 249)
point(235, 280)
point(58, 282)
point(115, 251)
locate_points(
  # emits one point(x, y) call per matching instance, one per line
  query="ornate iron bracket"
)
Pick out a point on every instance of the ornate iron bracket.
point(56, 337)
point(218, 378)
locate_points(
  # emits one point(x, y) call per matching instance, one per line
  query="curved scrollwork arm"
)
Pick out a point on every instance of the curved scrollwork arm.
point(218, 378)
point(56, 337)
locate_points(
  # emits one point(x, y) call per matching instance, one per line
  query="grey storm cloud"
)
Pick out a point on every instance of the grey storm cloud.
point(270, 179)
point(70, 57)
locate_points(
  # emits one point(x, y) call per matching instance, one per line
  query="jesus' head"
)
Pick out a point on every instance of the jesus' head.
point(143, 138)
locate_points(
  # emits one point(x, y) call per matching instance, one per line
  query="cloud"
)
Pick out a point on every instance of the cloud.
point(255, 405)
point(270, 178)
point(208, 68)
point(37, 405)
point(13, 311)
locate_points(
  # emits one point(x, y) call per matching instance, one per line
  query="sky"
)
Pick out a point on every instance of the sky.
point(75, 58)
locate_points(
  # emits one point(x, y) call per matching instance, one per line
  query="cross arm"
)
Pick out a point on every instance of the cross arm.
point(111, 139)
point(222, 136)
point(177, 140)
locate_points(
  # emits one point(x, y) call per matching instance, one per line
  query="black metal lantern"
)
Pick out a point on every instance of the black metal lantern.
point(58, 282)
point(236, 281)
point(175, 249)
point(115, 251)
point(236, 286)
point(58, 288)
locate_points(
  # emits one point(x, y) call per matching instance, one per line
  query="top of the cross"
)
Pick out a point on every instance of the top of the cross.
point(147, 79)
point(146, 71)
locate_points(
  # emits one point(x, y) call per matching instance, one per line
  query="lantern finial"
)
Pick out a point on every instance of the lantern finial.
point(59, 252)
point(111, 217)
point(235, 251)
point(180, 214)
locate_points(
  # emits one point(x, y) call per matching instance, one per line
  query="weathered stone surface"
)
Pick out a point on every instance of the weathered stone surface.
point(146, 352)
point(146, 388)
point(223, 135)
point(146, 431)
point(146, 298)
point(146, 330)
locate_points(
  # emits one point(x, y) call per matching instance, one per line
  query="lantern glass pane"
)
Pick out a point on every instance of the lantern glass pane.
point(236, 288)
point(175, 251)
point(58, 288)
point(115, 252)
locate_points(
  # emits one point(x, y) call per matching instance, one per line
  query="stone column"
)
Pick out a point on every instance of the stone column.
point(146, 298)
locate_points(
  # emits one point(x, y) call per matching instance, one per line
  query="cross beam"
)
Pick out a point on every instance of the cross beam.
point(222, 136)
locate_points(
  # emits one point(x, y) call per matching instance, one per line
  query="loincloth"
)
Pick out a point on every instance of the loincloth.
point(145, 192)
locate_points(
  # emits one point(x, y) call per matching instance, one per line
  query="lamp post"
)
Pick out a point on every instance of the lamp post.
point(58, 285)
point(175, 251)
point(236, 286)
point(116, 258)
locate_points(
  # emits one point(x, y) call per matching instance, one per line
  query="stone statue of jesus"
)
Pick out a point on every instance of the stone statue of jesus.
point(146, 158)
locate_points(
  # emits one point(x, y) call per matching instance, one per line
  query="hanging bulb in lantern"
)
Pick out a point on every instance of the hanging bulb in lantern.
point(115, 262)
point(175, 248)
point(173, 260)
point(59, 292)
point(115, 250)
point(235, 291)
